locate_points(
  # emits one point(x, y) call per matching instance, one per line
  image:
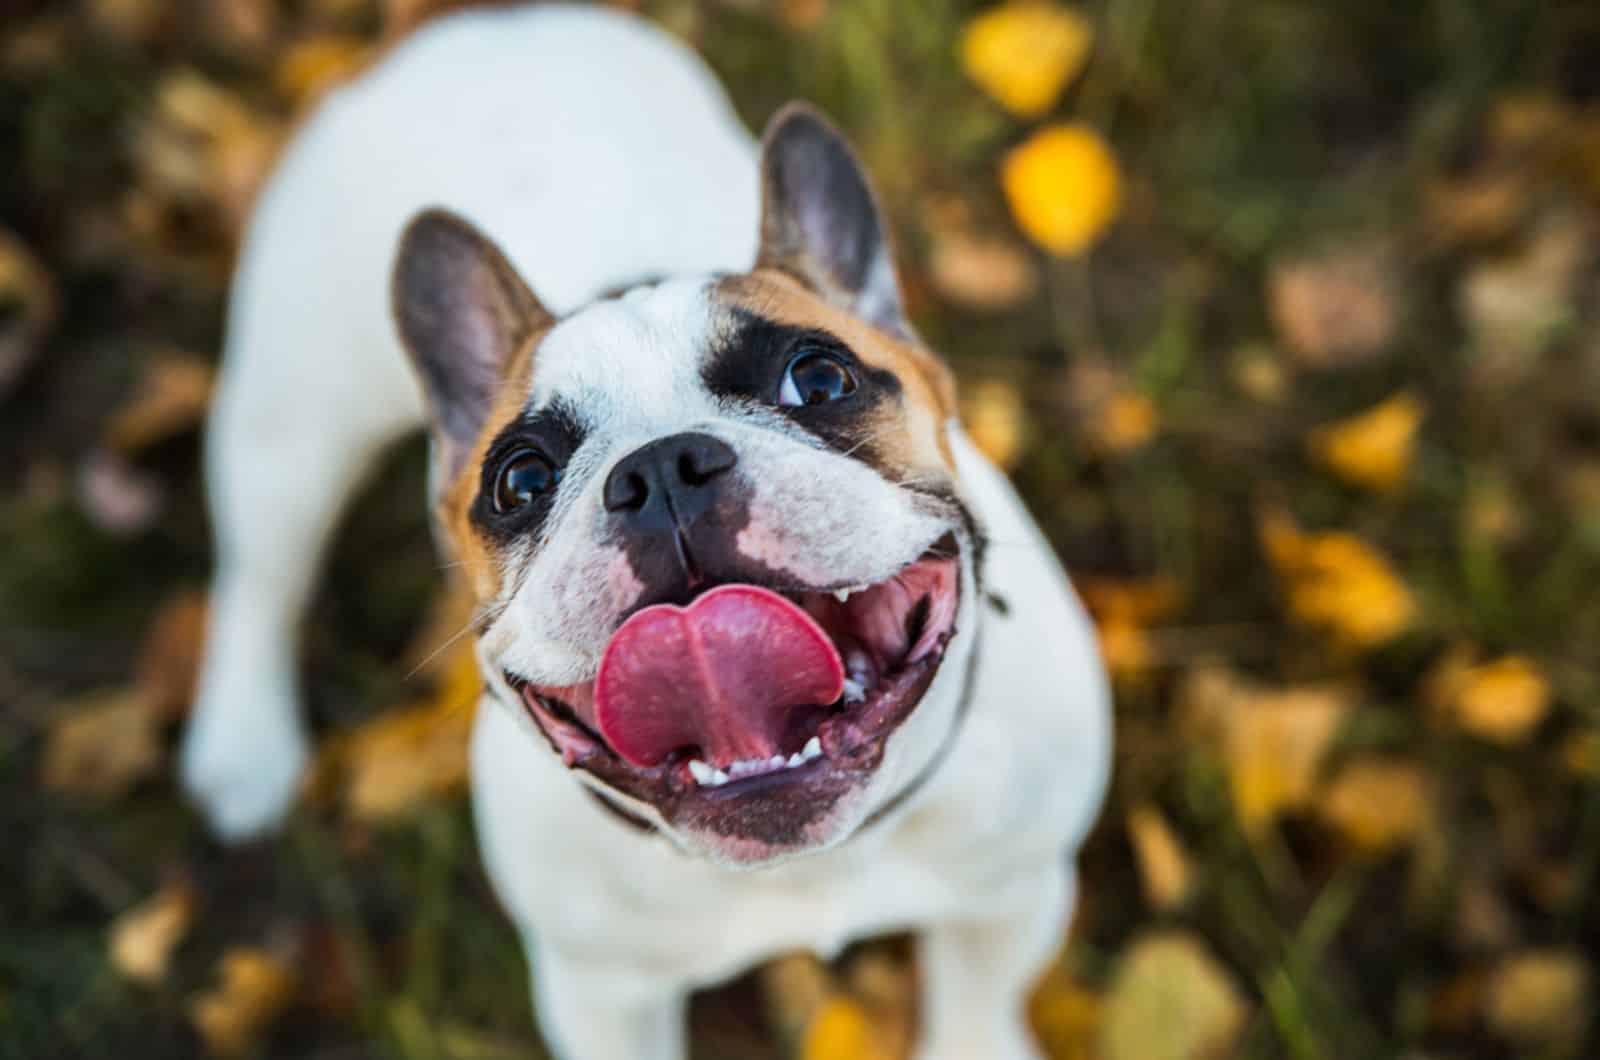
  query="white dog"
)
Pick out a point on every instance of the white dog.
point(773, 658)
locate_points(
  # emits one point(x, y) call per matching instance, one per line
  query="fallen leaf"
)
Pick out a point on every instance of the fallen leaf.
point(255, 989)
point(1125, 422)
point(1275, 744)
point(1513, 305)
point(1376, 804)
point(169, 662)
point(1065, 1015)
point(842, 1029)
point(142, 939)
point(996, 420)
point(795, 986)
point(1374, 449)
point(28, 306)
point(1261, 374)
point(1502, 701)
point(1335, 309)
point(1541, 997)
point(1170, 1000)
point(1164, 868)
point(1063, 186)
point(1124, 610)
point(102, 745)
point(1336, 582)
point(402, 760)
point(311, 66)
point(1024, 52)
point(172, 397)
point(987, 273)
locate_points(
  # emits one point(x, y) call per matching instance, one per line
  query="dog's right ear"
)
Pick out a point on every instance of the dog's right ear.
point(462, 312)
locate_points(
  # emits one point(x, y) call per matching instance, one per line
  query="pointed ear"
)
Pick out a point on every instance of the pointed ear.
point(820, 222)
point(462, 311)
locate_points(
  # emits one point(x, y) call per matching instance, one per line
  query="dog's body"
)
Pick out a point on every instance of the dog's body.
point(600, 155)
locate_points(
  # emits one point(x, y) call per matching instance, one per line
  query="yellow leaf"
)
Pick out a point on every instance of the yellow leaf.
point(314, 65)
point(400, 761)
point(1541, 997)
point(142, 938)
point(1063, 186)
point(1023, 53)
point(1502, 701)
point(169, 660)
point(171, 397)
point(1170, 1000)
point(1376, 804)
point(255, 988)
point(1124, 422)
point(996, 420)
point(1123, 609)
point(1372, 450)
point(1338, 583)
point(28, 305)
point(795, 986)
point(841, 1030)
point(102, 746)
point(1065, 1016)
point(1164, 868)
point(1274, 747)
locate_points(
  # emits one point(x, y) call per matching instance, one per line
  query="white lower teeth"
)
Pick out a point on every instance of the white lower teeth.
point(854, 691)
point(708, 776)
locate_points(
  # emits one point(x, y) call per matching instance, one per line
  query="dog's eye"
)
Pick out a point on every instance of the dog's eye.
point(523, 478)
point(815, 377)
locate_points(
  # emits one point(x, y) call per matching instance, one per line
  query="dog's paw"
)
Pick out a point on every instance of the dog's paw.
point(1012, 1044)
point(243, 767)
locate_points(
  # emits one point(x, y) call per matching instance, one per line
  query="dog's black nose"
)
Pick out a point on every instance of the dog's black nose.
point(668, 483)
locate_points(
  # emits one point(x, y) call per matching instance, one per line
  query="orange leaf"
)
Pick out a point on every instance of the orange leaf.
point(1063, 186)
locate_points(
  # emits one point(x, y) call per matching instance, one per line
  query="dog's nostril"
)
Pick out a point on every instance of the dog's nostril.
point(704, 459)
point(626, 492)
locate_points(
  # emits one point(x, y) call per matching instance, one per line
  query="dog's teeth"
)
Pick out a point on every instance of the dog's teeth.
point(796, 760)
point(776, 761)
point(841, 595)
point(702, 772)
point(812, 749)
point(854, 692)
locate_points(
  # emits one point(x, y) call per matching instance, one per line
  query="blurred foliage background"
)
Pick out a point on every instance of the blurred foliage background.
point(1283, 314)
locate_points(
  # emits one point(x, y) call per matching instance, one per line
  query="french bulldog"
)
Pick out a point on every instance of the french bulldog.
point(773, 658)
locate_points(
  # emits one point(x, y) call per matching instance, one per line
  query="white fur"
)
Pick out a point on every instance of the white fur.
point(595, 151)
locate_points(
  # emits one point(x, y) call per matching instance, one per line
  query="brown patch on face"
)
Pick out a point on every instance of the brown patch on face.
point(479, 561)
point(911, 438)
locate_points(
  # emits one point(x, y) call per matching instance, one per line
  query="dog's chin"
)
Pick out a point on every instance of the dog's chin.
point(817, 786)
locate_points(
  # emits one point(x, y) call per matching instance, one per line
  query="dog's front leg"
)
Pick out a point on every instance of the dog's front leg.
point(977, 971)
point(589, 1012)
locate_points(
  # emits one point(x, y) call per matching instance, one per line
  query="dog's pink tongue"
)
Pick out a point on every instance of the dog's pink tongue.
point(722, 674)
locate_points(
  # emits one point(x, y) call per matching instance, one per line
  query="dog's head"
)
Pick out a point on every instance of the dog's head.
point(713, 523)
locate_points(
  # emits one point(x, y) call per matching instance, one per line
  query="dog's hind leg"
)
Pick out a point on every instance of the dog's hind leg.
point(587, 1014)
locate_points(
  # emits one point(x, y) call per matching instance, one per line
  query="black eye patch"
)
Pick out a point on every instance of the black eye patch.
point(753, 357)
point(554, 433)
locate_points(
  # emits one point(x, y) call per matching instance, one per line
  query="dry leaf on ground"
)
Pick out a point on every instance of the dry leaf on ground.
point(1063, 186)
point(1541, 997)
point(996, 420)
point(255, 989)
point(1512, 305)
point(1377, 804)
point(169, 662)
point(1274, 748)
point(312, 66)
point(1066, 1016)
point(1124, 610)
point(102, 745)
point(142, 939)
point(27, 308)
point(982, 272)
point(1374, 449)
point(841, 1029)
point(1125, 421)
point(172, 397)
point(1170, 1000)
point(1165, 870)
point(402, 760)
point(795, 986)
point(1336, 582)
point(1023, 53)
point(1335, 309)
point(1502, 701)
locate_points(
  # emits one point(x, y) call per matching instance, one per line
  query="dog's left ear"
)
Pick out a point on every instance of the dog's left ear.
point(462, 312)
point(820, 222)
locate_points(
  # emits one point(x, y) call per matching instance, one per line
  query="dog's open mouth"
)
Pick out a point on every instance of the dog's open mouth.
point(749, 687)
